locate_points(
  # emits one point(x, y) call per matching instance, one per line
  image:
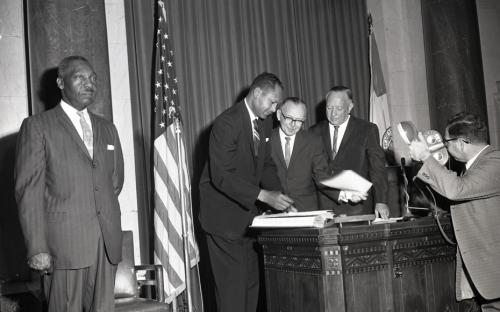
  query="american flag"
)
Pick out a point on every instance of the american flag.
point(171, 174)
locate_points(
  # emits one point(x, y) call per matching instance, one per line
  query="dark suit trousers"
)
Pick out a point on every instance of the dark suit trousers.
point(89, 289)
point(236, 273)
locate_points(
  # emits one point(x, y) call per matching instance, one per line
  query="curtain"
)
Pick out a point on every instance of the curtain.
point(220, 46)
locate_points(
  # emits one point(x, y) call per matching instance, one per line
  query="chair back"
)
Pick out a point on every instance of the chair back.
point(126, 280)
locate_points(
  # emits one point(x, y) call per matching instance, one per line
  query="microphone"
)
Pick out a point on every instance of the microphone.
point(434, 140)
point(406, 213)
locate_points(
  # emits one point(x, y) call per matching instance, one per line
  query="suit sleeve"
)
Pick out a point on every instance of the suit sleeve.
point(480, 182)
point(223, 147)
point(29, 175)
point(376, 165)
point(320, 168)
point(118, 170)
point(270, 180)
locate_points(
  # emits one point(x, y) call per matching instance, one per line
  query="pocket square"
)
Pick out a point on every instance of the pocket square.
point(110, 147)
point(267, 139)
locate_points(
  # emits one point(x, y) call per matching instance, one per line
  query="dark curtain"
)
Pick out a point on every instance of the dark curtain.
point(221, 45)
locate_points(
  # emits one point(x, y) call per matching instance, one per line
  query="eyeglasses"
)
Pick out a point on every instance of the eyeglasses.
point(290, 120)
point(446, 141)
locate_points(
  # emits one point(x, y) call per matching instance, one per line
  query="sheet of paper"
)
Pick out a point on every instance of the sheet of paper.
point(296, 214)
point(315, 219)
point(390, 220)
point(348, 180)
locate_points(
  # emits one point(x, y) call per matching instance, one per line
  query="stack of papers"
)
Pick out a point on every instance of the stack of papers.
point(348, 180)
point(390, 220)
point(315, 219)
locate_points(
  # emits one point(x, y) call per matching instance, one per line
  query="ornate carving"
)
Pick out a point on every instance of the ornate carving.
point(358, 259)
point(291, 263)
point(413, 253)
point(362, 236)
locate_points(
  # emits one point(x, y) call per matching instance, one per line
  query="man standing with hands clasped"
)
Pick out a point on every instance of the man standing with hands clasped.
point(239, 174)
point(475, 208)
point(68, 174)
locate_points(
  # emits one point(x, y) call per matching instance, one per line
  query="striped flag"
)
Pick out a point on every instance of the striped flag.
point(379, 107)
point(172, 201)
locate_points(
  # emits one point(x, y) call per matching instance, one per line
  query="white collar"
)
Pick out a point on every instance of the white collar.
point(343, 125)
point(250, 112)
point(70, 110)
point(469, 163)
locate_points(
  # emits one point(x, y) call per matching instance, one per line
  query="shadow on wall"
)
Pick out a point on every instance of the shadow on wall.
point(49, 94)
point(13, 265)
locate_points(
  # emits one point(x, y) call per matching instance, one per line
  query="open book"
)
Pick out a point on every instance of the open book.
point(315, 219)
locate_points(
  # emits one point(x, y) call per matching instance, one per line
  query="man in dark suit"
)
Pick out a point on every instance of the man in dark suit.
point(240, 173)
point(353, 143)
point(300, 158)
point(68, 174)
point(475, 208)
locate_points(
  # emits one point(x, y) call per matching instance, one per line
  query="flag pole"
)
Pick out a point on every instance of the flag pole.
point(185, 236)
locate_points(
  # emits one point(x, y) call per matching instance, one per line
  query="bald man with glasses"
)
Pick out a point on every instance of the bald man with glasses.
point(300, 158)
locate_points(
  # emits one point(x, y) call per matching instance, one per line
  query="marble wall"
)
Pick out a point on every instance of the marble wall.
point(122, 113)
point(488, 12)
point(13, 81)
point(398, 30)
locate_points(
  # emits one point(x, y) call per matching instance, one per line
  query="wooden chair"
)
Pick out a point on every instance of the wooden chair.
point(127, 286)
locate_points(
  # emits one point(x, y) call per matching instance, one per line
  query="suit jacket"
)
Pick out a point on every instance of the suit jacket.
point(231, 180)
point(475, 214)
point(359, 151)
point(308, 165)
point(66, 199)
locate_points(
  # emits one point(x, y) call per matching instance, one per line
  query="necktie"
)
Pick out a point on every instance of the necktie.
point(87, 134)
point(334, 142)
point(256, 137)
point(287, 151)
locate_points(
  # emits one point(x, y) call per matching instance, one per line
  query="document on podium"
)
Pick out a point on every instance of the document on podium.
point(348, 180)
point(315, 219)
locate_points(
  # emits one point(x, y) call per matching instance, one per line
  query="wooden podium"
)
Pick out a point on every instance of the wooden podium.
point(403, 266)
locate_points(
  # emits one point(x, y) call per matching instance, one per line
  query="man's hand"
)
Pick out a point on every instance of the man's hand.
point(40, 262)
point(382, 210)
point(352, 196)
point(419, 149)
point(275, 199)
point(355, 196)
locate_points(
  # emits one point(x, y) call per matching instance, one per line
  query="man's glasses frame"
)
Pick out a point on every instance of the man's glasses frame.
point(291, 120)
point(446, 141)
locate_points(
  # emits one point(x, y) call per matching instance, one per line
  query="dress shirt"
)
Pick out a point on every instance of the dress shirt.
point(283, 141)
point(75, 118)
point(340, 133)
point(251, 114)
point(471, 161)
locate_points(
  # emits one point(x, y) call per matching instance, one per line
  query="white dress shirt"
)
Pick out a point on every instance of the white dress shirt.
point(283, 141)
point(250, 113)
point(75, 118)
point(473, 159)
point(340, 133)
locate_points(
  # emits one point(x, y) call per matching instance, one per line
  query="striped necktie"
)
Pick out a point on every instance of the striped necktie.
point(87, 134)
point(288, 152)
point(334, 142)
point(256, 137)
